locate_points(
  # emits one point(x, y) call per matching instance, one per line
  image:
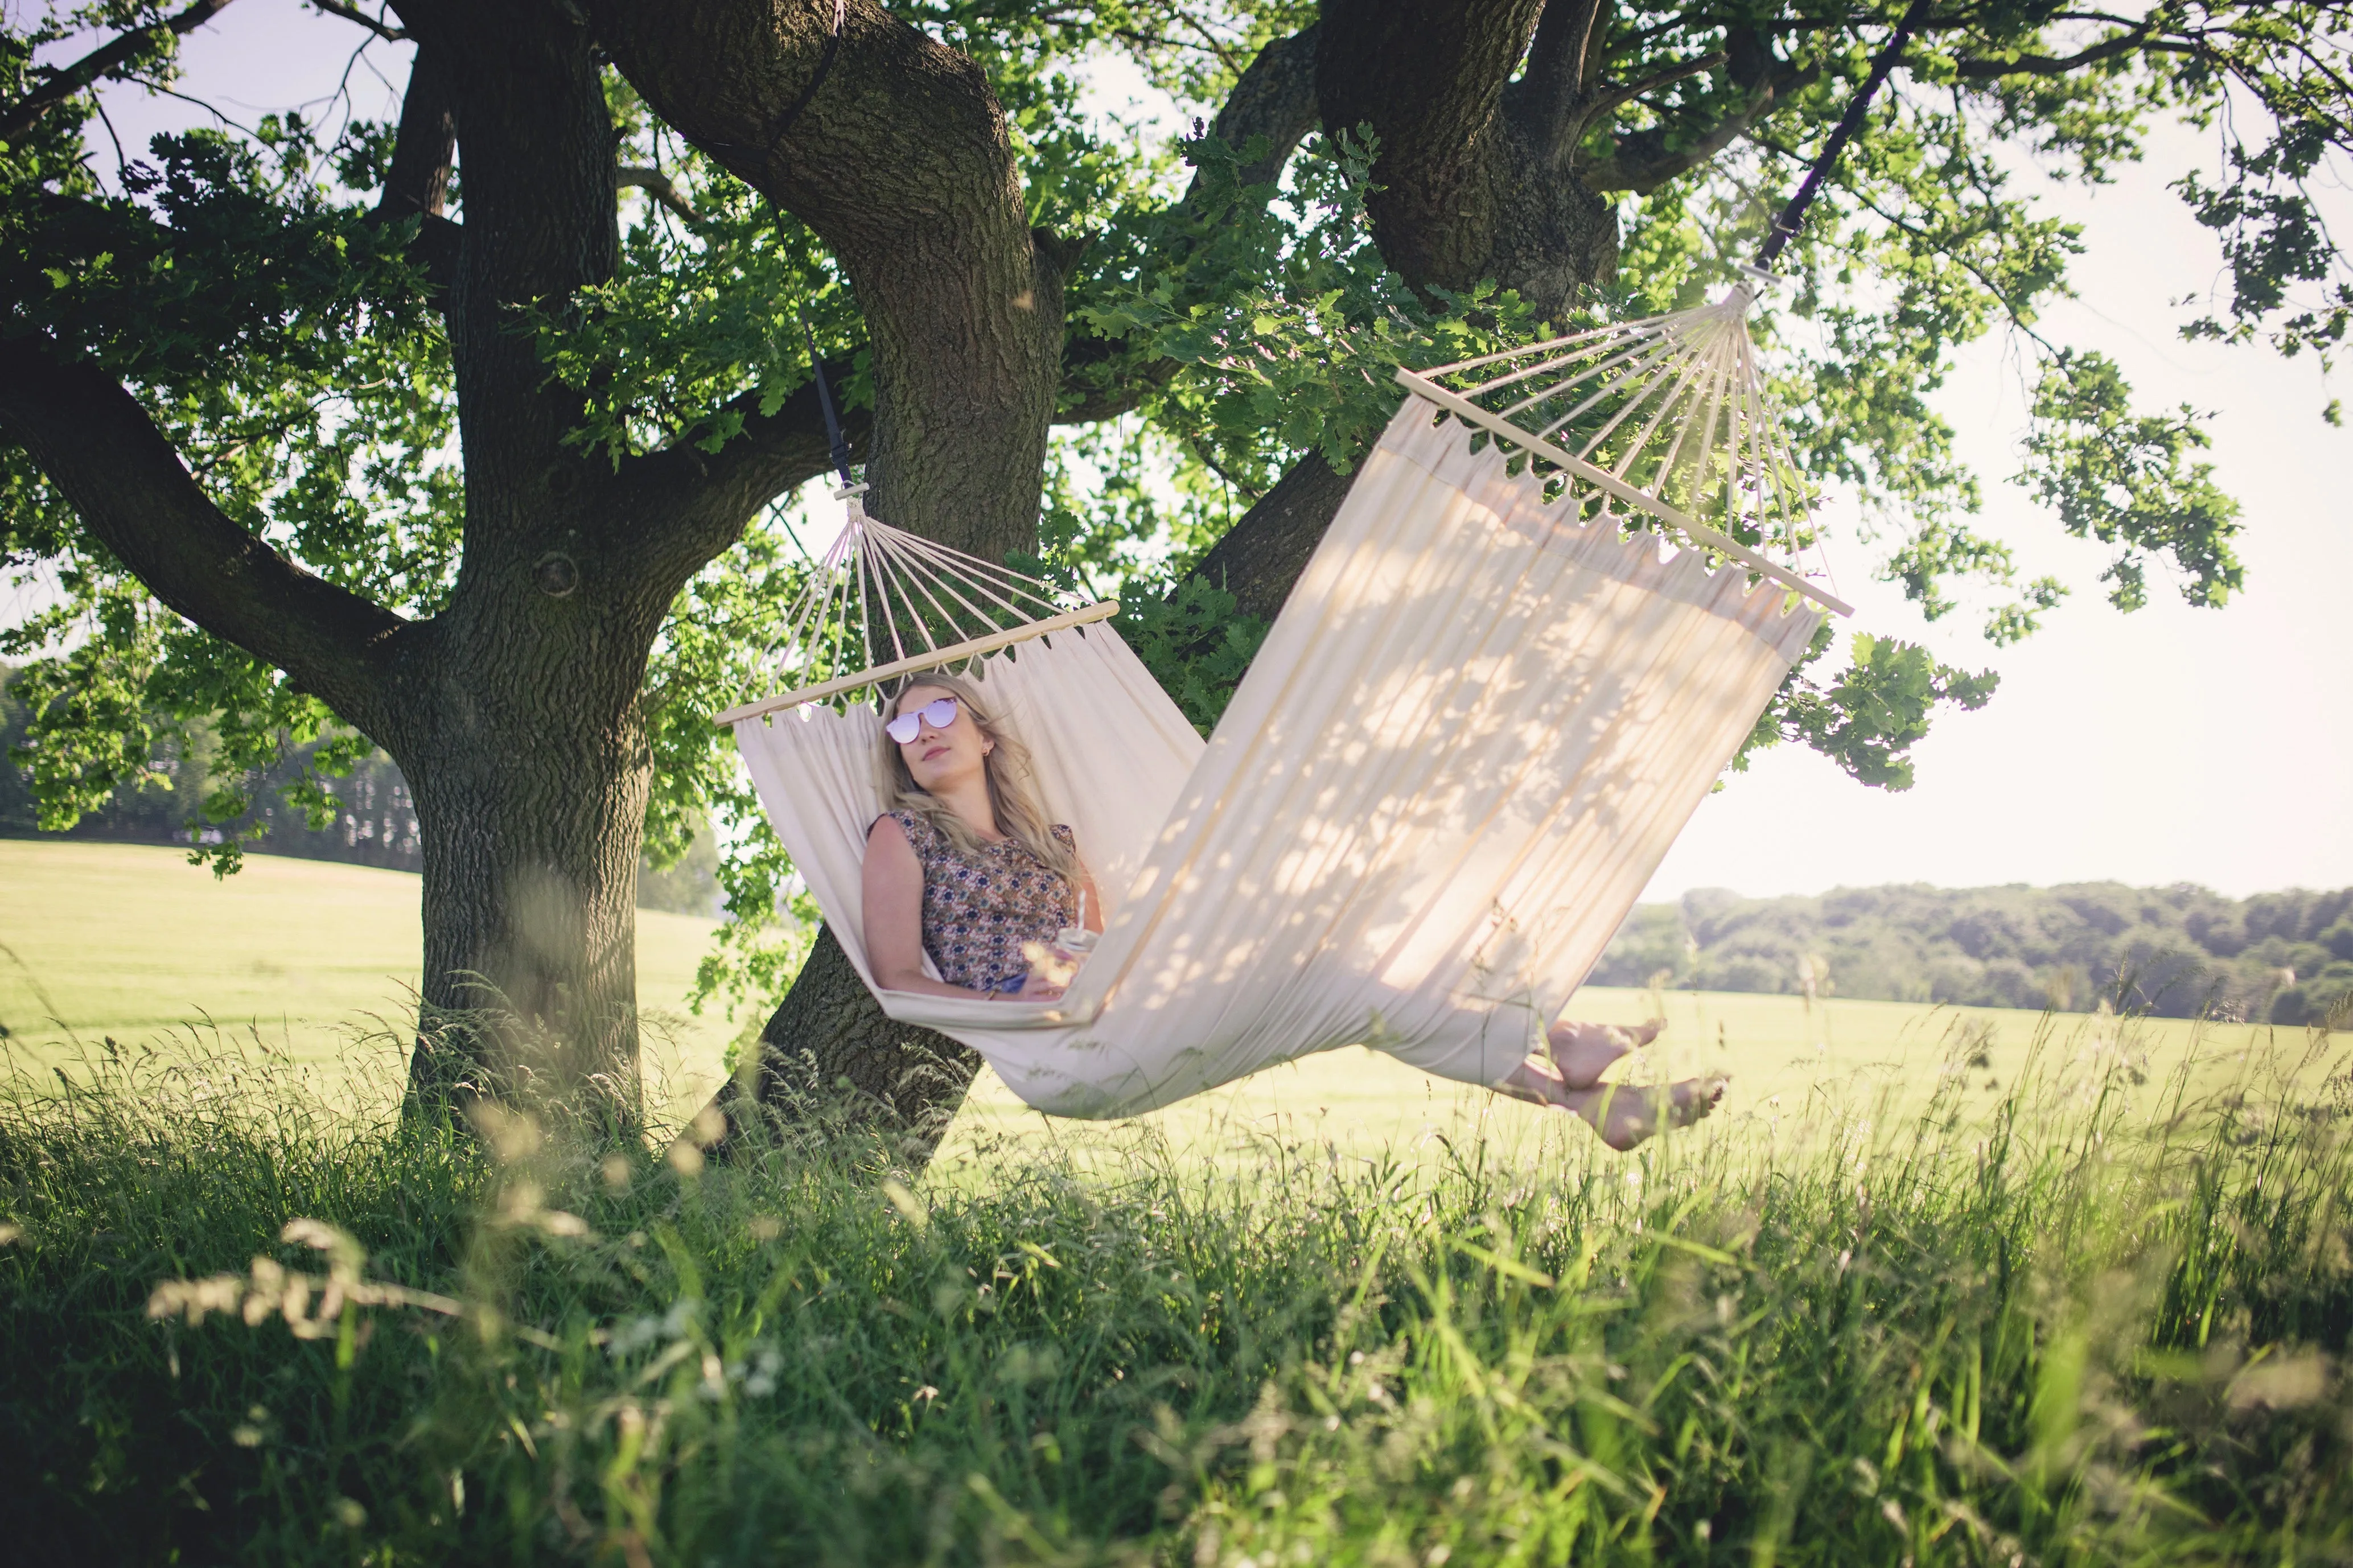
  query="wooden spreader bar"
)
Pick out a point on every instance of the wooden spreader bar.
point(931, 659)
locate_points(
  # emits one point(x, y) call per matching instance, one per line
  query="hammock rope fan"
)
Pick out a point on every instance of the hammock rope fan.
point(1564, 584)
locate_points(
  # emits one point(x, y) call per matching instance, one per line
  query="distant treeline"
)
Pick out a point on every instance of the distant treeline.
point(375, 825)
point(2175, 952)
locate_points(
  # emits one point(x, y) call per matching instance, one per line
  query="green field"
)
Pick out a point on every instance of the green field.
point(320, 960)
point(314, 958)
point(1968, 1289)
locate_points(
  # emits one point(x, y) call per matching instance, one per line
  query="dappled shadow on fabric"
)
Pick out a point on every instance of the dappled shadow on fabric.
point(1464, 747)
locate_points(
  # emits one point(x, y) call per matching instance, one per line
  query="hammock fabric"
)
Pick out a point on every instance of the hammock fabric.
point(1484, 715)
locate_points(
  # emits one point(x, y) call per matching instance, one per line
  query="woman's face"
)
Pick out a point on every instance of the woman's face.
point(940, 760)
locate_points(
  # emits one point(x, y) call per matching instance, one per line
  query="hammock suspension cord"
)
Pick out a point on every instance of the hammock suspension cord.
point(1785, 228)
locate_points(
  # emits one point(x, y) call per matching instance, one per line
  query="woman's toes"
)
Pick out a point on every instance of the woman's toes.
point(1626, 1117)
point(1583, 1052)
point(1694, 1097)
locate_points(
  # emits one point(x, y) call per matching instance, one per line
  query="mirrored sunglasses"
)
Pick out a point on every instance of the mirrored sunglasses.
point(939, 713)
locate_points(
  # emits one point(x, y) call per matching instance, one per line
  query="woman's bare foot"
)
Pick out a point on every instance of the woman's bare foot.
point(1583, 1052)
point(1625, 1115)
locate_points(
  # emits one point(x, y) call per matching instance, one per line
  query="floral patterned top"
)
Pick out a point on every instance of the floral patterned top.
point(979, 909)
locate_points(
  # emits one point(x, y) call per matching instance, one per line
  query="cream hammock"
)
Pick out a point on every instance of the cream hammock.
point(1490, 704)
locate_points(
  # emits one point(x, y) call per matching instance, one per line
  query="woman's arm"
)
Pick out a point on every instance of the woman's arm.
point(894, 914)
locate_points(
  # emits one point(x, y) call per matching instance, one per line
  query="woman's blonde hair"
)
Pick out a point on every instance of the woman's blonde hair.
point(1012, 789)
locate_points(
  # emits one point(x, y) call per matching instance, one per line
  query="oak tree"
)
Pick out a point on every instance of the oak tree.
point(472, 436)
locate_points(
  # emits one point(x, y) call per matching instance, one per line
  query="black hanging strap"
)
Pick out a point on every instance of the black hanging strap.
point(837, 444)
point(817, 78)
point(815, 81)
point(1786, 225)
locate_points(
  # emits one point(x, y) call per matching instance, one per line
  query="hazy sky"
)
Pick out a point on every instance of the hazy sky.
point(2169, 745)
point(2172, 745)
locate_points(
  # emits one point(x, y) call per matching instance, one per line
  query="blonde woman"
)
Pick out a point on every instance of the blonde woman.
point(966, 864)
point(963, 863)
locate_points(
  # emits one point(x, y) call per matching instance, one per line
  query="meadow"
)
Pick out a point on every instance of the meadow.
point(316, 963)
point(305, 957)
point(1937, 1287)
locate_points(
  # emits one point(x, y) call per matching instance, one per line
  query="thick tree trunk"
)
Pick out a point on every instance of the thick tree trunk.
point(531, 825)
point(519, 726)
point(830, 1050)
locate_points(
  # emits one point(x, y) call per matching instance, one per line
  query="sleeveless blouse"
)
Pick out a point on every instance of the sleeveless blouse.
point(978, 908)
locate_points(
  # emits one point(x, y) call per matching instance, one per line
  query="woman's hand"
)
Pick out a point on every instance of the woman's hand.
point(1029, 990)
point(1052, 964)
point(1032, 989)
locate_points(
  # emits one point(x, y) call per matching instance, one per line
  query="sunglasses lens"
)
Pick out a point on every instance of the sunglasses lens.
point(938, 714)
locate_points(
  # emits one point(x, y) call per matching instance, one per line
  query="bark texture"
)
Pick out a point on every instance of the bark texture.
point(1482, 179)
point(1262, 555)
point(518, 728)
point(901, 163)
point(829, 1049)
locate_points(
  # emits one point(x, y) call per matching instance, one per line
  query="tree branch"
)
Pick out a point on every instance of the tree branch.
point(774, 452)
point(2046, 65)
point(658, 185)
point(1605, 99)
point(1429, 81)
point(1266, 550)
point(535, 133)
point(425, 145)
point(70, 80)
point(107, 457)
point(1274, 97)
point(353, 14)
point(1645, 161)
point(1561, 65)
point(902, 164)
point(423, 154)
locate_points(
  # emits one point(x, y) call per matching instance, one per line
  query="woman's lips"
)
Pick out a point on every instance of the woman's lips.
point(935, 751)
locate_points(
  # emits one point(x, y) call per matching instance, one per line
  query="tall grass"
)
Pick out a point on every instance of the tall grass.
point(2105, 1324)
